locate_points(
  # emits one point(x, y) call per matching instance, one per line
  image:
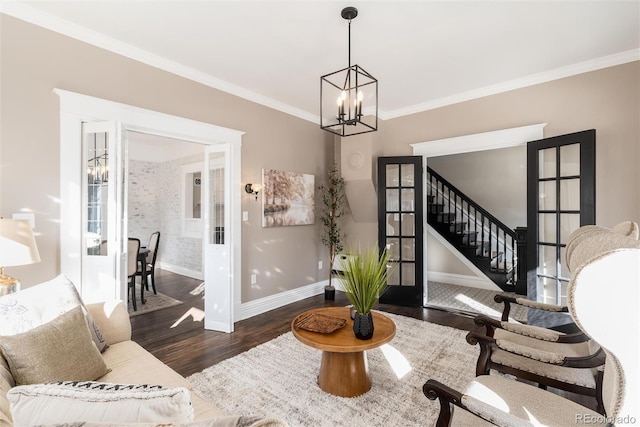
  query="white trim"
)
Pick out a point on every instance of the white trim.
point(144, 120)
point(504, 138)
point(534, 79)
point(194, 274)
point(464, 144)
point(45, 20)
point(461, 280)
point(75, 108)
point(68, 28)
point(262, 305)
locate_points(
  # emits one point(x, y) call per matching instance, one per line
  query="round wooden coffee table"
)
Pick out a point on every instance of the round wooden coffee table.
point(344, 370)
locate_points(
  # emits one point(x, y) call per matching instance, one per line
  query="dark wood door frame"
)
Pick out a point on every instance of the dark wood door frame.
point(409, 291)
point(587, 208)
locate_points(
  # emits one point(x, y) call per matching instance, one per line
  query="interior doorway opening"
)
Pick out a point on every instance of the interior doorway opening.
point(76, 110)
point(464, 288)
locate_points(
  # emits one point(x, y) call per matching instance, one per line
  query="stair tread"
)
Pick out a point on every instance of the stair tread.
point(468, 236)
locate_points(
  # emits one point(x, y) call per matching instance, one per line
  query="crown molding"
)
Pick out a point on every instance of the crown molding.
point(534, 79)
point(70, 29)
point(50, 22)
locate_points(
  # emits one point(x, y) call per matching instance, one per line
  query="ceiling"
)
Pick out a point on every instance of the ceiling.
point(425, 54)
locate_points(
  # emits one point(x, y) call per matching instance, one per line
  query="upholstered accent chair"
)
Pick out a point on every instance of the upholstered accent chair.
point(568, 361)
point(603, 297)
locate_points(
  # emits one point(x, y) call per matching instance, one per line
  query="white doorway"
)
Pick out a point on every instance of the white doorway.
point(76, 109)
point(504, 138)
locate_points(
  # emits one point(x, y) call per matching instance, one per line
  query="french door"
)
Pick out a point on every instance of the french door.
point(104, 226)
point(400, 227)
point(217, 247)
point(560, 198)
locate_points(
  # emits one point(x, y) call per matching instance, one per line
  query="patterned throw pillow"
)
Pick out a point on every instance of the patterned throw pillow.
point(39, 304)
point(88, 401)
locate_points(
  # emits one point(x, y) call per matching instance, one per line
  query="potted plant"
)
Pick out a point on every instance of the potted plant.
point(333, 199)
point(364, 280)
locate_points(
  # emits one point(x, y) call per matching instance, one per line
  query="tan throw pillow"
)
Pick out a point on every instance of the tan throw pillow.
point(74, 401)
point(39, 304)
point(60, 350)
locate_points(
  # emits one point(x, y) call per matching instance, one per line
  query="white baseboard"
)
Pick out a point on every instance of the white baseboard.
point(462, 280)
point(180, 270)
point(262, 305)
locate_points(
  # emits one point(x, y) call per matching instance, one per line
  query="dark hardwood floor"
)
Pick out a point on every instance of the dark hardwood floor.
point(187, 347)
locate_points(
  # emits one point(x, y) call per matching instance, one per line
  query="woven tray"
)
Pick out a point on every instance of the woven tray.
point(321, 323)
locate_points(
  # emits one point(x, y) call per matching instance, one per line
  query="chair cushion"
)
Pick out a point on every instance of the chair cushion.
point(527, 402)
point(585, 377)
point(568, 349)
point(58, 350)
point(68, 402)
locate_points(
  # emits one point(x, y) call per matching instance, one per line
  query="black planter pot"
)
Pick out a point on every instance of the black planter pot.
point(329, 293)
point(363, 326)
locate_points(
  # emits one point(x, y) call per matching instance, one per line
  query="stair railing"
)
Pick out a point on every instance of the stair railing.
point(500, 238)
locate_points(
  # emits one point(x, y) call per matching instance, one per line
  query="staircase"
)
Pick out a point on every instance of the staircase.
point(475, 233)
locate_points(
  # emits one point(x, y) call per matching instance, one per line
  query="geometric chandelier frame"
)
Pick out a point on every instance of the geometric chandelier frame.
point(349, 97)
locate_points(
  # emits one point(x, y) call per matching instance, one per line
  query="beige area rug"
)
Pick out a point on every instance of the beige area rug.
point(154, 302)
point(472, 300)
point(278, 379)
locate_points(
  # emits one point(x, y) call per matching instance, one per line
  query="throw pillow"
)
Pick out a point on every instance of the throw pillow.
point(34, 306)
point(73, 401)
point(59, 350)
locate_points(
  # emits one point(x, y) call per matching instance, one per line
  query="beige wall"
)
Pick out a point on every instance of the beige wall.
point(607, 100)
point(34, 61)
point(495, 179)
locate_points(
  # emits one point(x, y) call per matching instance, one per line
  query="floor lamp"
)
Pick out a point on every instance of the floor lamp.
point(17, 247)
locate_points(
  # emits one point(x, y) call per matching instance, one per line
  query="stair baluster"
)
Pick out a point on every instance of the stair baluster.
point(462, 221)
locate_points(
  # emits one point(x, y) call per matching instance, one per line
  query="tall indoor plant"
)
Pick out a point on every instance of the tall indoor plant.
point(333, 200)
point(364, 280)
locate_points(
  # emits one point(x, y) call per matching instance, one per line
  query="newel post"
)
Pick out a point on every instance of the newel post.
point(521, 271)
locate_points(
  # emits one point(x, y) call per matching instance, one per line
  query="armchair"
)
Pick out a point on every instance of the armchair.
point(607, 314)
point(567, 361)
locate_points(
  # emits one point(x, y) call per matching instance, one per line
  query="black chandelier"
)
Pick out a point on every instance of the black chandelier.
point(349, 97)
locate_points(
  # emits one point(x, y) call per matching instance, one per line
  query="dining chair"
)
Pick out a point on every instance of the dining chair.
point(133, 249)
point(150, 267)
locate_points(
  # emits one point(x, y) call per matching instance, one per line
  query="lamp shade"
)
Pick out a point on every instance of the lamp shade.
point(17, 243)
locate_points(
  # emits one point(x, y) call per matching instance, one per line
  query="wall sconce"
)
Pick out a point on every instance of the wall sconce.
point(253, 189)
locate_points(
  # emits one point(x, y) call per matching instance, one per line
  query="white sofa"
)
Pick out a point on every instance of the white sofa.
point(127, 362)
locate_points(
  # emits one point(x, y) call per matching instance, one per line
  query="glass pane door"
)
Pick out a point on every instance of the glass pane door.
point(561, 187)
point(400, 227)
point(217, 247)
point(103, 227)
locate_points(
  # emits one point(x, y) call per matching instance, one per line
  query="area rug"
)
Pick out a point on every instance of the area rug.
point(154, 302)
point(474, 300)
point(278, 379)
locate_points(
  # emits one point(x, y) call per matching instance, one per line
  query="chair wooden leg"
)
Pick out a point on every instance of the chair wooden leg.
point(132, 291)
point(153, 279)
point(142, 285)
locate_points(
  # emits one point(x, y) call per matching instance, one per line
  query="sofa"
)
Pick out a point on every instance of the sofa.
point(35, 394)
